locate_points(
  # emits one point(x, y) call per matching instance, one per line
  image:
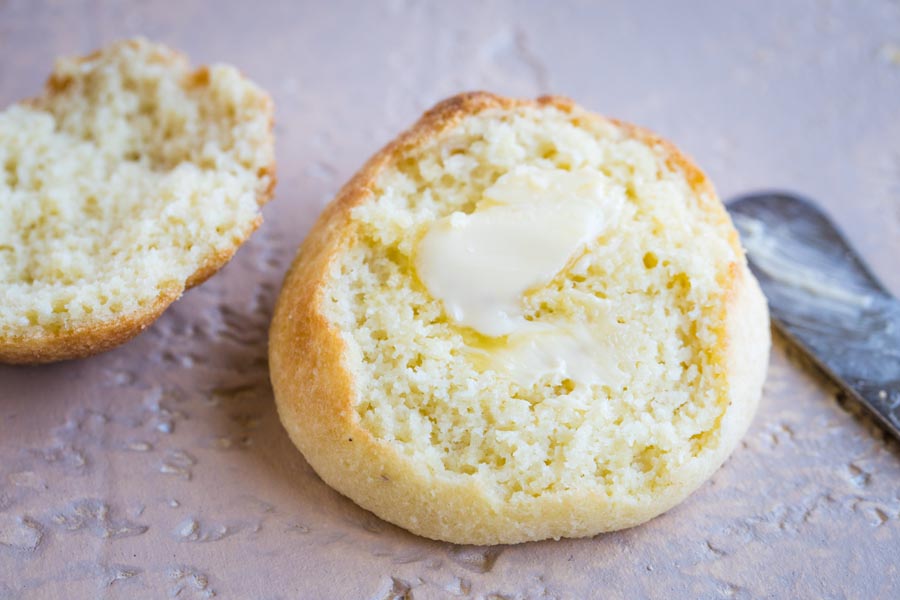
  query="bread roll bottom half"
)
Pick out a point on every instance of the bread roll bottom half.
point(519, 321)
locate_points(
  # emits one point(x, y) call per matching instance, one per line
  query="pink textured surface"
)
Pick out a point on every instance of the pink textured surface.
point(160, 469)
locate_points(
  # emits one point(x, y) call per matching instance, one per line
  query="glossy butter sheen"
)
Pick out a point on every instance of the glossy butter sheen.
point(527, 228)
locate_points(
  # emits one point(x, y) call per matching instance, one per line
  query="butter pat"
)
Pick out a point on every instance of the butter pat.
point(528, 227)
point(530, 224)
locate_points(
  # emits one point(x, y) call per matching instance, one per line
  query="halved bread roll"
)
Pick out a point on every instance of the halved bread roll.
point(519, 321)
point(131, 179)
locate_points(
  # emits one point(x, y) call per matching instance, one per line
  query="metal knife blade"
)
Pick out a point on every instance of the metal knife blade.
point(823, 297)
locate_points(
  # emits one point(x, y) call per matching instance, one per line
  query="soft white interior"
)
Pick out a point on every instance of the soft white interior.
point(650, 290)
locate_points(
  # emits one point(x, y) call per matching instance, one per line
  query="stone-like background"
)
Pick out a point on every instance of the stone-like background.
point(160, 469)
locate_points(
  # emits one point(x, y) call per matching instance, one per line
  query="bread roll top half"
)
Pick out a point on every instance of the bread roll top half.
point(130, 179)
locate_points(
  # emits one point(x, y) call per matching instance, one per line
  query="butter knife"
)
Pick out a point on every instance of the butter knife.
point(824, 298)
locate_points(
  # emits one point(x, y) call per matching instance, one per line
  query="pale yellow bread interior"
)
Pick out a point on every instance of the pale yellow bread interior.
point(392, 402)
point(132, 178)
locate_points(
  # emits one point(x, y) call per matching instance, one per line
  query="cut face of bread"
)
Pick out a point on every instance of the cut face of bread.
point(520, 321)
point(129, 180)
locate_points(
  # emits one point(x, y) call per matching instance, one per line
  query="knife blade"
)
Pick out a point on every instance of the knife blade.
point(824, 298)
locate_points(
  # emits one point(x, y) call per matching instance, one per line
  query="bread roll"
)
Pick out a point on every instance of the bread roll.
point(131, 179)
point(519, 321)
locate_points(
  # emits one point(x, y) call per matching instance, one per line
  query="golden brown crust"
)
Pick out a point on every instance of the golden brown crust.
point(314, 389)
point(83, 341)
point(98, 337)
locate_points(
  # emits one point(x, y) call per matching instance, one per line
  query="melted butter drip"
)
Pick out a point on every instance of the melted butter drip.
point(569, 353)
point(528, 227)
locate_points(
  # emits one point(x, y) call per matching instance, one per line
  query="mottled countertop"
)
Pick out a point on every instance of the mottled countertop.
point(160, 469)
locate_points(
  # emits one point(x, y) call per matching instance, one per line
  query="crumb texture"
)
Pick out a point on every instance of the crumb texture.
point(651, 289)
point(128, 177)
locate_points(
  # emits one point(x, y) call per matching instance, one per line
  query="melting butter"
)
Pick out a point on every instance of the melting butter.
point(531, 223)
point(527, 228)
point(569, 353)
